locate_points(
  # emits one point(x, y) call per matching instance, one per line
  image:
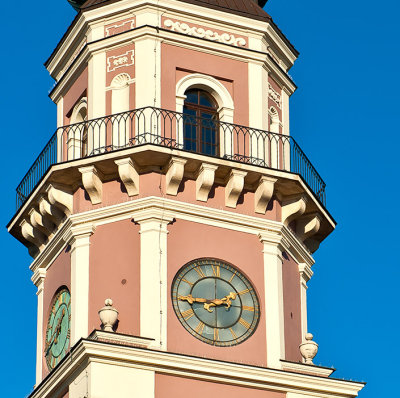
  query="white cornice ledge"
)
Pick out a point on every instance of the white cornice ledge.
point(87, 351)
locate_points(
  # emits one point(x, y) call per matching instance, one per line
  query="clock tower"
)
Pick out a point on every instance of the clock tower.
point(172, 218)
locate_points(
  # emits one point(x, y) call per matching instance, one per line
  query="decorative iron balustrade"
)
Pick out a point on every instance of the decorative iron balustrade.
point(182, 131)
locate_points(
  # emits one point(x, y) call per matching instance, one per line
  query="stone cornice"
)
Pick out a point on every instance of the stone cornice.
point(86, 351)
point(157, 208)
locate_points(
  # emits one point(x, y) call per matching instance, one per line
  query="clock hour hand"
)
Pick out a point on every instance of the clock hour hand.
point(227, 300)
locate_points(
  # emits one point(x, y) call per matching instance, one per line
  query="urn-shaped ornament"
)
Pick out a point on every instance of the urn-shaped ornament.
point(309, 349)
point(108, 316)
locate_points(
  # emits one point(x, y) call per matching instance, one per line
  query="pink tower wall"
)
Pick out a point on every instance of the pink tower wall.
point(188, 241)
point(115, 273)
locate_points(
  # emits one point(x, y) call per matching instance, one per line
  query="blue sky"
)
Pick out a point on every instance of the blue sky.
point(345, 115)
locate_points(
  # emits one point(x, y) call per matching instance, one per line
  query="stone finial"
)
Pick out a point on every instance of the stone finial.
point(309, 349)
point(108, 316)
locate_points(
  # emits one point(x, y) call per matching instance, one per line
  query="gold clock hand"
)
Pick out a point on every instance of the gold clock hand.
point(190, 299)
point(224, 301)
point(56, 333)
point(227, 300)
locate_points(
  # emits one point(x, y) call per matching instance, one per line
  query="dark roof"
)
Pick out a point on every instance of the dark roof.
point(246, 8)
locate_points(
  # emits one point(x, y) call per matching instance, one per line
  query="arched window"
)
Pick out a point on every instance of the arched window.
point(200, 121)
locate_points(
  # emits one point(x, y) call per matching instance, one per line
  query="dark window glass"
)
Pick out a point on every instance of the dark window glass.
point(200, 121)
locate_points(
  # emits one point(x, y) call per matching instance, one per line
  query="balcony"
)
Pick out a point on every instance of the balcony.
point(174, 130)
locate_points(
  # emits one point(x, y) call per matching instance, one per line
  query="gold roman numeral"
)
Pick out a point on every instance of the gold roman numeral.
point(244, 323)
point(230, 280)
point(185, 280)
point(187, 314)
point(199, 271)
point(216, 334)
point(216, 271)
point(233, 333)
point(200, 327)
point(247, 308)
point(243, 292)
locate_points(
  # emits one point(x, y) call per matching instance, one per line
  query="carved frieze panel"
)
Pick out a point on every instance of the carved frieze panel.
point(204, 32)
point(119, 27)
point(274, 96)
point(120, 61)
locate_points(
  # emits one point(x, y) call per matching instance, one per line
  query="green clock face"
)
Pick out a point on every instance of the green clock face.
point(215, 302)
point(58, 329)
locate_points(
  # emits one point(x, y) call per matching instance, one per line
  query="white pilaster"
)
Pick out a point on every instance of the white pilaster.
point(305, 275)
point(153, 275)
point(285, 112)
point(273, 285)
point(97, 86)
point(38, 279)
point(79, 240)
point(258, 96)
point(148, 72)
point(60, 123)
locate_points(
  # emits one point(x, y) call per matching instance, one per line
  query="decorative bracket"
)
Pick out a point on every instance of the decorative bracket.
point(49, 211)
point(92, 183)
point(263, 194)
point(32, 234)
point(129, 176)
point(60, 198)
point(308, 225)
point(234, 187)
point(41, 223)
point(292, 207)
point(205, 181)
point(174, 175)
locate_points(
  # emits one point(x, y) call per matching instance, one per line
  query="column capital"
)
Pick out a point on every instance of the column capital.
point(275, 239)
point(38, 278)
point(152, 215)
point(306, 272)
point(78, 231)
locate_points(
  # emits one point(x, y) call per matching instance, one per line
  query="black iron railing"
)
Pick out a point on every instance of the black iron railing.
point(162, 127)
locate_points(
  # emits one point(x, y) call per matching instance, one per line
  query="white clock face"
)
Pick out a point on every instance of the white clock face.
point(215, 302)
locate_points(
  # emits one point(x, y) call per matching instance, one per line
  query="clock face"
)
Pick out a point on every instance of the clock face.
point(58, 329)
point(215, 302)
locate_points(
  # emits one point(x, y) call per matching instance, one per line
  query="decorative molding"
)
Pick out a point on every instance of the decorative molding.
point(308, 225)
point(124, 26)
point(92, 183)
point(293, 207)
point(306, 369)
point(174, 175)
point(234, 187)
point(128, 175)
point(205, 181)
point(263, 194)
point(274, 96)
point(120, 61)
point(204, 33)
point(74, 56)
point(120, 81)
point(122, 339)
point(38, 278)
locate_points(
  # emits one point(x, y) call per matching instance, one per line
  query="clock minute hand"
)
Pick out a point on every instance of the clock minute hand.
point(227, 300)
point(190, 299)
